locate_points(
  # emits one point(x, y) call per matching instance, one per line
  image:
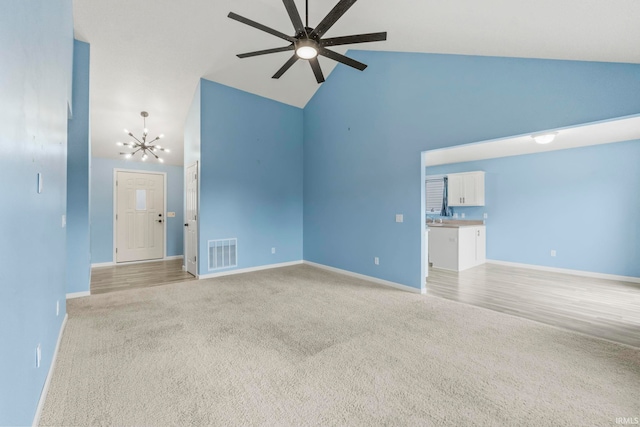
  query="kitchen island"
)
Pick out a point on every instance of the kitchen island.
point(456, 244)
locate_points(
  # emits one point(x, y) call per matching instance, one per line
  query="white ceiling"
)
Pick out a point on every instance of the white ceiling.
point(150, 54)
point(604, 132)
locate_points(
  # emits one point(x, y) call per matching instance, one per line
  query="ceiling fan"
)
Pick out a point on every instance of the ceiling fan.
point(308, 42)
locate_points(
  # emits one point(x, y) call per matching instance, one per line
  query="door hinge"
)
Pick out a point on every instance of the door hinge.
point(116, 182)
point(195, 258)
point(116, 250)
point(195, 217)
point(116, 217)
point(196, 176)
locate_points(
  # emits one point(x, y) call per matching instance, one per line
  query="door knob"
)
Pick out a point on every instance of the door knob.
point(186, 225)
point(159, 220)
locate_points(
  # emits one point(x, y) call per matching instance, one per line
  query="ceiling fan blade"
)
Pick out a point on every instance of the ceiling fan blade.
point(292, 10)
point(341, 58)
point(266, 51)
point(331, 18)
point(259, 26)
point(359, 38)
point(317, 71)
point(285, 67)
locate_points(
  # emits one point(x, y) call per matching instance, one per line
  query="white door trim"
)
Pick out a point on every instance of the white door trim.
point(186, 219)
point(115, 208)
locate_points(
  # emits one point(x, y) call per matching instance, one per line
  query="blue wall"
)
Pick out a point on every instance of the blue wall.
point(36, 53)
point(251, 176)
point(364, 132)
point(102, 205)
point(577, 202)
point(78, 165)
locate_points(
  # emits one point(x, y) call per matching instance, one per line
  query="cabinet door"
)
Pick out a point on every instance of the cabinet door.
point(481, 244)
point(475, 192)
point(455, 189)
point(469, 189)
point(466, 248)
point(443, 248)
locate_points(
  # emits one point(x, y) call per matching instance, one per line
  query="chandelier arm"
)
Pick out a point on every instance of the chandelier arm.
point(131, 135)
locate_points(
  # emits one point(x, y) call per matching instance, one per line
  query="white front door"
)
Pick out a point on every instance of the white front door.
point(191, 220)
point(139, 216)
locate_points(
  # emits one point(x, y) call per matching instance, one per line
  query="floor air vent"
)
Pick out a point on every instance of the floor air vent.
point(223, 253)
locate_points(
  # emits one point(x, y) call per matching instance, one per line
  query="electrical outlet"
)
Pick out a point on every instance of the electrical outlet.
point(376, 261)
point(38, 356)
point(273, 250)
point(399, 218)
point(553, 252)
point(462, 215)
point(485, 216)
point(58, 308)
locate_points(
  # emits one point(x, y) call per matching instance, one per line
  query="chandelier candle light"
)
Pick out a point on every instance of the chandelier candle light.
point(145, 147)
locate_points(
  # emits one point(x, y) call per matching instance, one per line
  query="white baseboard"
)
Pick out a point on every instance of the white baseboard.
point(567, 271)
point(45, 388)
point(111, 264)
point(103, 264)
point(249, 270)
point(369, 278)
point(78, 294)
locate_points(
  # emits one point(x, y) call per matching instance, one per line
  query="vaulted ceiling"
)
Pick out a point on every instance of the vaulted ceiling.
point(150, 54)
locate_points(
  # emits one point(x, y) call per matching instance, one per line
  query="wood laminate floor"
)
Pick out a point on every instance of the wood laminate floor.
point(604, 308)
point(130, 276)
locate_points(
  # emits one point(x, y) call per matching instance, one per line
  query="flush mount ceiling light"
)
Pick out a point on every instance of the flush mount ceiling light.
point(144, 147)
point(544, 138)
point(308, 42)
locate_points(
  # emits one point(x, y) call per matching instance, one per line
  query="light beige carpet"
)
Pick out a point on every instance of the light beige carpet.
point(302, 346)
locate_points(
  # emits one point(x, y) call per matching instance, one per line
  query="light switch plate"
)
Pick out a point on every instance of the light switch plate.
point(171, 214)
point(399, 218)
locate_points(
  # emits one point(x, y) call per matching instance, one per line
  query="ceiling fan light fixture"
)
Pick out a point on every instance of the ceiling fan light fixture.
point(309, 43)
point(544, 138)
point(306, 49)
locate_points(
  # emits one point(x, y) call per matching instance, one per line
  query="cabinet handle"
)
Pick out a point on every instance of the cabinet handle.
point(463, 200)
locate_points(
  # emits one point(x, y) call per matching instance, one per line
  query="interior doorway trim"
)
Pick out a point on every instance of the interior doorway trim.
point(115, 210)
point(191, 223)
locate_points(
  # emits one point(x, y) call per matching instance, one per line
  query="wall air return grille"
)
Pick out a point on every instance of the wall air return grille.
point(223, 253)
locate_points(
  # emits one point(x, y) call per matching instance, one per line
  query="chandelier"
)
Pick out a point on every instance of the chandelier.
point(146, 148)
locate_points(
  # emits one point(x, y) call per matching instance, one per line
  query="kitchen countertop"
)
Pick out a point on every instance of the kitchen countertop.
point(455, 223)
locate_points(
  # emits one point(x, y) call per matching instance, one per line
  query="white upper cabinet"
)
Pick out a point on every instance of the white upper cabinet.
point(466, 189)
